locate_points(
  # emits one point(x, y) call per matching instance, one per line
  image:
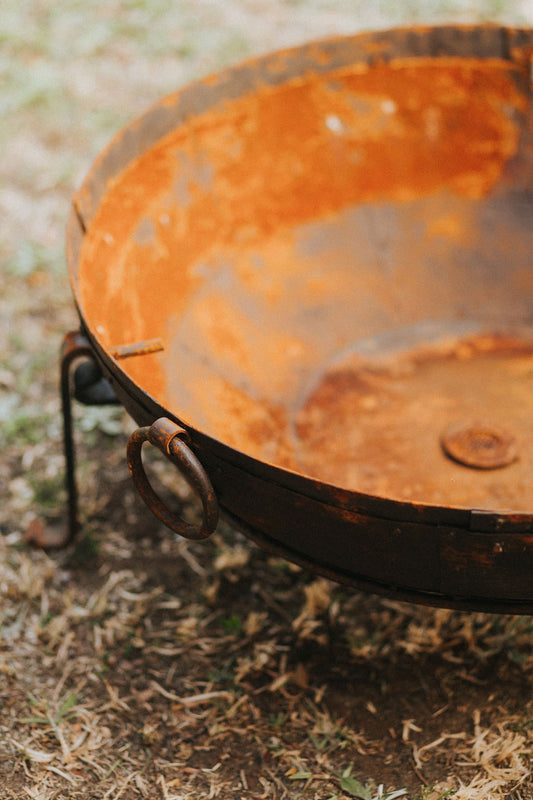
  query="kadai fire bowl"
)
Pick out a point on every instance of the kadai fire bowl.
point(309, 280)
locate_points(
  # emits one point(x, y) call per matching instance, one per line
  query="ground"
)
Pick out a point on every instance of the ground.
point(134, 664)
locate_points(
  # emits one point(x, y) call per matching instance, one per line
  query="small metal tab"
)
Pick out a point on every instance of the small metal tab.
point(137, 348)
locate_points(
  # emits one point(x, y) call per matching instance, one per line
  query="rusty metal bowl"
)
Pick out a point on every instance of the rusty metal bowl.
point(309, 280)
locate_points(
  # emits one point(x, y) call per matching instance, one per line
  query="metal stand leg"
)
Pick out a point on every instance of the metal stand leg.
point(90, 387)
point(75, 346)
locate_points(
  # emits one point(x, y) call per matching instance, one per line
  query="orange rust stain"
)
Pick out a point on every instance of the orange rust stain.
point(230, 408)
point(375, 427)
point(232, 179)
point(450, 226)
point(240, 348)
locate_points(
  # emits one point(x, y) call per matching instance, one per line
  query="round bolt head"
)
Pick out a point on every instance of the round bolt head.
point(480, 445)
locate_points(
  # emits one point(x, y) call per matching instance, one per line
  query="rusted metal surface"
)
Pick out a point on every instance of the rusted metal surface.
point(403, 401)
point(170, 439)
point(331, 247)
point(479, 444)
point(137, 348)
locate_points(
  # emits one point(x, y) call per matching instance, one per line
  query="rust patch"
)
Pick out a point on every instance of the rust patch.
point(275, 164)
point(481, 445)
point(376, 428)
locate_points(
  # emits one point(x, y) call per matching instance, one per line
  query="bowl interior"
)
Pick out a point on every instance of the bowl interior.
point(338, 270)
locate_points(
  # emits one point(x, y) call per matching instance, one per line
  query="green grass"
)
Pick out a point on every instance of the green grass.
point(26, 425)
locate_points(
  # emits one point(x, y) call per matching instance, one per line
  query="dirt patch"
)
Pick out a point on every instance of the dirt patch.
point(144, 666)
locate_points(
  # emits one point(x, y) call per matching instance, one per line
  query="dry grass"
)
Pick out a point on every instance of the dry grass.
point(135, 665)
point(250, 680)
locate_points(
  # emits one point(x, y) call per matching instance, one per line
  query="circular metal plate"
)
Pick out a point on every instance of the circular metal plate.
point(481, 445)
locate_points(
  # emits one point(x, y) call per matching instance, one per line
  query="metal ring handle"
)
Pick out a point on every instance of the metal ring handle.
point(167, 437)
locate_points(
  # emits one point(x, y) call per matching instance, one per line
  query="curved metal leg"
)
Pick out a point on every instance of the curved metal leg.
point(75, 346)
